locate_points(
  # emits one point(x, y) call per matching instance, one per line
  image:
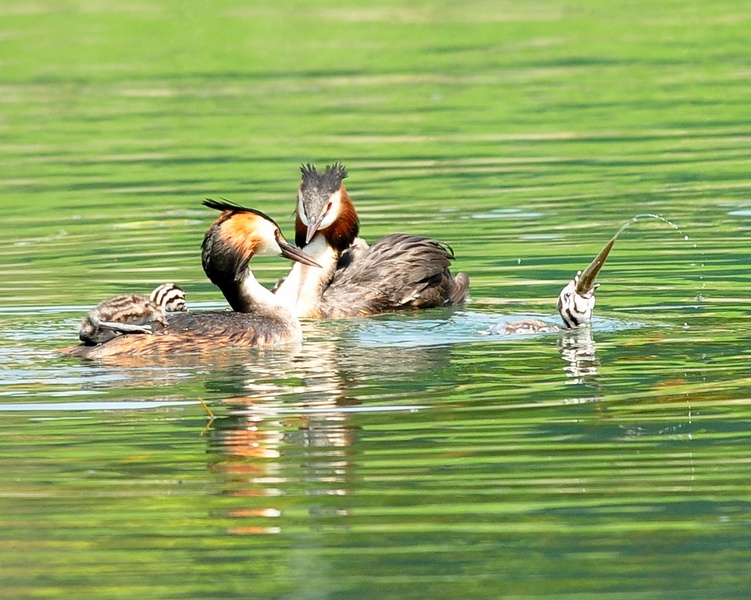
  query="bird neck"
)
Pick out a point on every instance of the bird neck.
point(245, 294)
point(302, 289)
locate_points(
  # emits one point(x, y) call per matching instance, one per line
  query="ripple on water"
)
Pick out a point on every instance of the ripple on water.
point(460, 327)
point(506, 213)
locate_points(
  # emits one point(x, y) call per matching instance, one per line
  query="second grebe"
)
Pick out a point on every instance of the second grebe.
point(131, 313)
point(265, 321)
point(398, 272)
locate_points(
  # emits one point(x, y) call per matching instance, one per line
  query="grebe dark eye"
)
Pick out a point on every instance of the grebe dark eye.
point(328, 208)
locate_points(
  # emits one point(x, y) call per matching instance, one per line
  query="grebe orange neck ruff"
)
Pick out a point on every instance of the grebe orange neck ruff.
point(228, 247)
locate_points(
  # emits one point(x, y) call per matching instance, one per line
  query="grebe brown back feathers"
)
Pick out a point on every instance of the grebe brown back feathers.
point(266, 320)
point(396, 273)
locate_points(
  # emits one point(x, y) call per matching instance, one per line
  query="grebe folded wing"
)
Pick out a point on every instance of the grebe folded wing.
point(199, 332)
point(399, 271)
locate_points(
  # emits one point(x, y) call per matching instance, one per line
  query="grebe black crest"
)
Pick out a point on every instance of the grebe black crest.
point(130, 313)
point(398, 272)
point(228, 246)
point(323, 203)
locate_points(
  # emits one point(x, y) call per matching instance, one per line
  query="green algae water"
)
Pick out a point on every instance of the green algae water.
point(402, 456)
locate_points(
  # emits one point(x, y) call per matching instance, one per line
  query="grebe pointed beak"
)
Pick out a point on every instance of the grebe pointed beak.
point(576, 301)
point(292, 253)
point(313, 227)
point(586, 282)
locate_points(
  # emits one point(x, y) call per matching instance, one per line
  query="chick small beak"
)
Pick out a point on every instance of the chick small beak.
point(587, 278)
point(292, 253)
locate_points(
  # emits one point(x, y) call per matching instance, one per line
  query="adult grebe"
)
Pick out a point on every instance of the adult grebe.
point(131, 313)
point(228, 246)
point(398, 272)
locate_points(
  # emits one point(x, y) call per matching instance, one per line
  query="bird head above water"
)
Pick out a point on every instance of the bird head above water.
point(576, 301)
point(324, 206)
point(233, 239)
point(170, 297)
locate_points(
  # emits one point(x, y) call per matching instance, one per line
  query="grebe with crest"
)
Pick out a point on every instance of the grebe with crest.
point(228, 246)
point(398, 272)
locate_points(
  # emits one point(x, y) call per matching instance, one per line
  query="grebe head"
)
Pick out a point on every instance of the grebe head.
point(574, 307)
point(170, 297)
point(323, 204)
point(236, 236)
point(577, 300)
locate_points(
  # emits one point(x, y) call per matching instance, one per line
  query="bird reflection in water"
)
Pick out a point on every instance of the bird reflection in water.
point(578, 350)
point(287, 432)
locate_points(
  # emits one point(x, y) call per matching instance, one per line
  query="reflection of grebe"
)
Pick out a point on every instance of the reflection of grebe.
point(396, 273)
point(131, 313)
point(230, 243)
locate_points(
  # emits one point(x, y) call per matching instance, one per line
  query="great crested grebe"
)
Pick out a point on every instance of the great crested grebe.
point(228, 247)
point(131, 313)
point(576, 302)
point(398, 272)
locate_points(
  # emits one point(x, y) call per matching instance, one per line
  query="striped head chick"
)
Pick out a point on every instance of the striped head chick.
point(129, 313)
point(576, 302)
point(170, 297)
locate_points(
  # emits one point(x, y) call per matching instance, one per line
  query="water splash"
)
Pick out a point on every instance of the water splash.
point(639, 217)
point(636, 218)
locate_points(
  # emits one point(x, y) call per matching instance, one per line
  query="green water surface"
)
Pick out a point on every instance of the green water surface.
point(403, 456)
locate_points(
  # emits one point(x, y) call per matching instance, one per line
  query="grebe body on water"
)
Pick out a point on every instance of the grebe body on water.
point(131, 313)
point(398, 272)
point(228, 247)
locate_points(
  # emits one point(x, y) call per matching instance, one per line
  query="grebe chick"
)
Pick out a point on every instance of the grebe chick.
point(265, 321)
point(170, 297)
point(130, 313)
point(576, 302)
point(398, 272)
